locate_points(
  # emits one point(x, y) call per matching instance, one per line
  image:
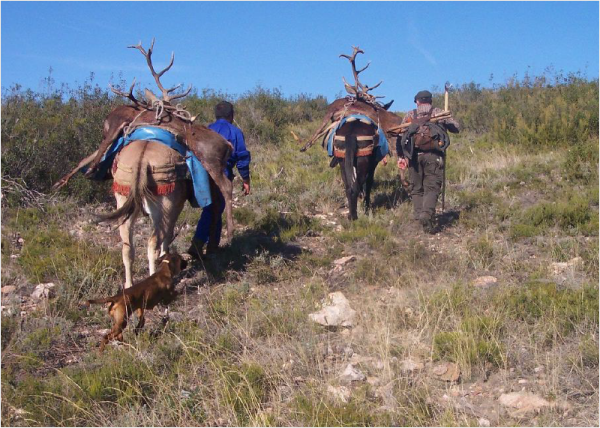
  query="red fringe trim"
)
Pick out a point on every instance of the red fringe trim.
point(121, 189)
point(164, 189)
point(161, 189)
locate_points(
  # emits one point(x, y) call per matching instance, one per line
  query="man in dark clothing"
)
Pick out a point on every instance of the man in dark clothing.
point(240, 158)
point(425, 162)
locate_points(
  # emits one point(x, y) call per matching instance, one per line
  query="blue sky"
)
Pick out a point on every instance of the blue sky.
point(294, 46)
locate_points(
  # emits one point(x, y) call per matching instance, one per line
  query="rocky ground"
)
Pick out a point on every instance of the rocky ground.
point(306, 319)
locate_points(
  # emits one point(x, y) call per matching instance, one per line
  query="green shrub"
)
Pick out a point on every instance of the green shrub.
point(247, 387)
point(542, 111)
point(581, 162)
point(573, 213)
point(477, 341)
point(545, 303)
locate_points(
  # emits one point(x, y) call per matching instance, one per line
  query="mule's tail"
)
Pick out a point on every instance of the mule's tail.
point(138, 191)
point(350, 162)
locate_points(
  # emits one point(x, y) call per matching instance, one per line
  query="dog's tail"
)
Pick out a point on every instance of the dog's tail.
point(100, 301)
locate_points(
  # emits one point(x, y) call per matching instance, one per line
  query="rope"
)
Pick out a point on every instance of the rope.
point(130, 128)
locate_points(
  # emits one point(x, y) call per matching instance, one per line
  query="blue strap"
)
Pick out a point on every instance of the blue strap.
point(380, 151)
point(197, 171)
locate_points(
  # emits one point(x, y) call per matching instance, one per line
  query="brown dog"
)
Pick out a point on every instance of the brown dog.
point(157, 288)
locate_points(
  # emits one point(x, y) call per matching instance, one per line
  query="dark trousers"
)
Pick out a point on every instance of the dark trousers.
point(426, 174)
point(211, 213)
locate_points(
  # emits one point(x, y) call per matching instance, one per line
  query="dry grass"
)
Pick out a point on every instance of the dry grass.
point(240, 350)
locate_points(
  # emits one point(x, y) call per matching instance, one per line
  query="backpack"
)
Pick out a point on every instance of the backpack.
point(422, 138)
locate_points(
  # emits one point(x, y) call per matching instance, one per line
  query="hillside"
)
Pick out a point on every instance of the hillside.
point(448, 327)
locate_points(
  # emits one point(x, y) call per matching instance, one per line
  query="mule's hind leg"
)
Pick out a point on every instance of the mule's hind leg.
point(164, 211)
point(369, 181)
point(352, 202)
point(128, 250)
point(226, 188)
point(154, 242)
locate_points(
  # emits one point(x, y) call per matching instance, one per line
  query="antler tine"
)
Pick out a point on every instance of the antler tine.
point(364, 68)
point(165, 92)
point(370, 88)
point(139, 47)
point(359, 90)
point(128, 95)
point(183, 94)
point(349, 88)
point(168, 66)
point(356, 50)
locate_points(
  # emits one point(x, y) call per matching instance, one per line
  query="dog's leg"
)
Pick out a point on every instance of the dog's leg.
point(141, 320)
point(120, 322)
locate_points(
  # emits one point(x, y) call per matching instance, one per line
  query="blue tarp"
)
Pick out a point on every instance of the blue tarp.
point(380, 151)
point(197, 171)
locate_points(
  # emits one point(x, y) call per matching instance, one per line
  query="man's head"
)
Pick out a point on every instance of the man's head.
point(224, 110)
point(423, 97)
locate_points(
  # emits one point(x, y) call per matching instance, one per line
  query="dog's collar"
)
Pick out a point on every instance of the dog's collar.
point(165, 261)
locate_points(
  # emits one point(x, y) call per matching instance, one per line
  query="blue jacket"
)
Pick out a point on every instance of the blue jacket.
point(240, 156)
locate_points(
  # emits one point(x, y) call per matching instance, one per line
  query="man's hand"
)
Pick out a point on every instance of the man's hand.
point(384, 160)
point(402, 163)
point(246, 187)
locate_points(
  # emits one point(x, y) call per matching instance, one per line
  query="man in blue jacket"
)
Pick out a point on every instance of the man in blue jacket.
point(240, 158)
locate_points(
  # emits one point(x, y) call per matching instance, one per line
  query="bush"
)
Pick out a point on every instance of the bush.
point(542, 111)
point(44, 135)
point(563, 308)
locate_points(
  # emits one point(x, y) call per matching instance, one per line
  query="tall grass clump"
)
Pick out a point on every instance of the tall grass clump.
point(45, 134)
point(535, 111)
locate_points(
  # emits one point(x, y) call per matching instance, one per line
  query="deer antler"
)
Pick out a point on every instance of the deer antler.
point(359, 90)
point(128, 95)
point(165, 92)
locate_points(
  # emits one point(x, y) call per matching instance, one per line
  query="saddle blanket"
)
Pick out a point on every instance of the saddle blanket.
point(150, 133)
point(380, 151)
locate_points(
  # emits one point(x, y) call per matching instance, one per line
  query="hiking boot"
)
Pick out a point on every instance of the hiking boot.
point(195, 249)
point(428, 226)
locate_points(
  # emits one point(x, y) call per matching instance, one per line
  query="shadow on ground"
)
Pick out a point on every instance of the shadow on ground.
point(391, 195)
point(247, 245)
point(447, 219)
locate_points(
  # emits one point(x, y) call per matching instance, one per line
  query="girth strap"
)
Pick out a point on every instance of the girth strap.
point(358, 138)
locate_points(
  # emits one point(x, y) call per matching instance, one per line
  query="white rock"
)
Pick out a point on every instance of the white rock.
point(485, 281)
point(523, 401)
point(43, 291)
point(483, 422)
point(352, 374)
point(410, 365)
point(559, 268)
point(446, 371)
point(539, 369)
point(336, 313)
point(340, 393)
point(8, 289)
point(373, 380)
point(344, 260)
